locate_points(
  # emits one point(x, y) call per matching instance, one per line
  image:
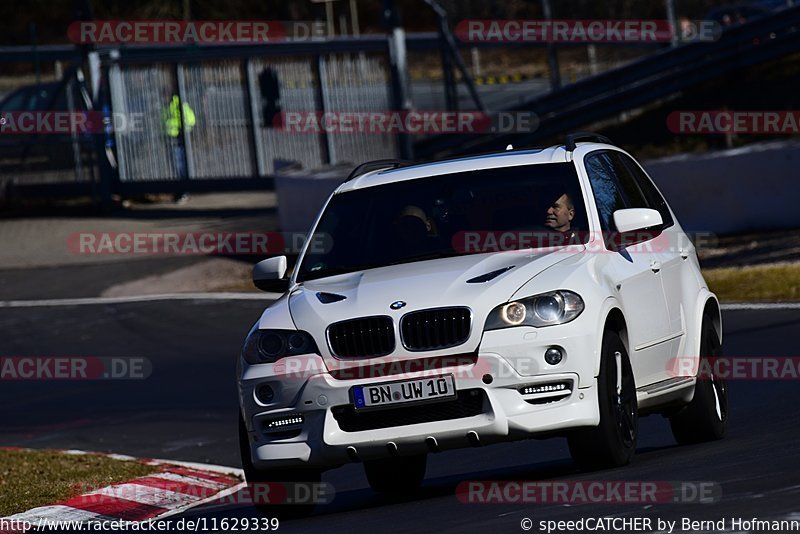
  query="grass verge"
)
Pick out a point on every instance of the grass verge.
point(759, 283)
point(37, 478)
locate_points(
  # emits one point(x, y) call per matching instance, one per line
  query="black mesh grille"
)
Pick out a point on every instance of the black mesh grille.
point(468, 403)
point(435, 329)
point(365, 337)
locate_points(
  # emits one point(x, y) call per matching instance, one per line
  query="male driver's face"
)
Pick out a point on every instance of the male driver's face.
point(559, 215)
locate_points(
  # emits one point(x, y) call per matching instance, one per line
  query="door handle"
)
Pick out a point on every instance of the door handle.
point(655, 266)
point(684, 253)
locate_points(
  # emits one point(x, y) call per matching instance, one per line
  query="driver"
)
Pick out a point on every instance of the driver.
point(560, 214)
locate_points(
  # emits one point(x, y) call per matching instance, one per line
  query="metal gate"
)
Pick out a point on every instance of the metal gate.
point(229, 134)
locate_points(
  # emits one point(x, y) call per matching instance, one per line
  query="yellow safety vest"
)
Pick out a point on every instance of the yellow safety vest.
point(171, 116)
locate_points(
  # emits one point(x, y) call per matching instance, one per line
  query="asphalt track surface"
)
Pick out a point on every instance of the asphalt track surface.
point(187, 410)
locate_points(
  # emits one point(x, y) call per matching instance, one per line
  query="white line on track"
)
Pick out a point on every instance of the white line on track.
point(94, 301)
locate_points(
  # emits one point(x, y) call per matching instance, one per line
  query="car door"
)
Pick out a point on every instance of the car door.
point(634, 269)
point(671, 253)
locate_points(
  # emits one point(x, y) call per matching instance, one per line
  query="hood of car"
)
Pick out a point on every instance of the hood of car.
point(479, 282)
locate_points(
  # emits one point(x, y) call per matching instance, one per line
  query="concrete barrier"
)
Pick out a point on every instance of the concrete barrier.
point(754, 187)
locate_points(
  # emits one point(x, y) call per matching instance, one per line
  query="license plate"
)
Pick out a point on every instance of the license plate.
point(406, 391)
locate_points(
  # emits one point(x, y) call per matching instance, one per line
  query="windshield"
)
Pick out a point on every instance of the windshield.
point(444, 216)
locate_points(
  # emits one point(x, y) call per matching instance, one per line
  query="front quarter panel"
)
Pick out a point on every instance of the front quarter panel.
point(581, 338)
point(286, 377)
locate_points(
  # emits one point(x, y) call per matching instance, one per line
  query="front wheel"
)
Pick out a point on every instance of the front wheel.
point(613, 442)
point(396, 475)
point(706, 417)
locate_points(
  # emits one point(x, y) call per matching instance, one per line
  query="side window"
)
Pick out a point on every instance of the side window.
point(654, 198)
point(605, 187)
point(627, 182)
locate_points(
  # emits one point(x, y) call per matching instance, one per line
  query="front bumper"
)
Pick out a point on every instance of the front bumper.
point(503, 413)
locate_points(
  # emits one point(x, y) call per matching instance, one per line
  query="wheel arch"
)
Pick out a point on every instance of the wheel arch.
point(706, 304)
point(615, 321)
point(612, 319)
point(712, 309)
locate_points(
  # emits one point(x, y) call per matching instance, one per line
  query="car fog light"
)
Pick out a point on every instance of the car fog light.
point(545, 388)
point(265, 394)
point(283, 423)
point(553, 355)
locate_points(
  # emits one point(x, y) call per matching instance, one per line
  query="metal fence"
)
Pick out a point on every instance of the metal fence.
point(233, 142)
point(231, 137)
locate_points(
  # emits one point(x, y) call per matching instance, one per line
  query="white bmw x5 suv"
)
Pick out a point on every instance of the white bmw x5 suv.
point(530, 293)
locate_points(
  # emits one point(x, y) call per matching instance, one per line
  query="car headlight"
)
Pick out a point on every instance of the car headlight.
point(555, 307)
point(268, 346)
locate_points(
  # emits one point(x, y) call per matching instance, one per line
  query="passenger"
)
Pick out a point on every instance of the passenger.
point(413, 226)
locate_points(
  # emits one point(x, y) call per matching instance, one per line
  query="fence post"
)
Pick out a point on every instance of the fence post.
point(552, 52)
point(326, 146)
point(256, 139)
point(399, 68)
point(673, 22)
point(94, 103)
point(450, 91)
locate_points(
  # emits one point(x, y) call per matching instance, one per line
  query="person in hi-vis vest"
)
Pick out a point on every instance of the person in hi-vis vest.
point(176, 117)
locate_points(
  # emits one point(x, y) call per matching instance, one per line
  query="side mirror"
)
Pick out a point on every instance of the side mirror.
point(268, 275)
point(635, 225)
point(633, 219)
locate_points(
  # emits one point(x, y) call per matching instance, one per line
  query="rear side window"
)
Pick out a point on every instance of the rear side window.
point(654, 198)
point(609, 193)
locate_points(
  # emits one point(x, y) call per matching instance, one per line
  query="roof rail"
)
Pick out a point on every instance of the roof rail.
point(574, 137)
point(377, 164)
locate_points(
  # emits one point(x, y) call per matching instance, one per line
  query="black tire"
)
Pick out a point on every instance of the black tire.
point(400, 475)
point(613, 442)
point(255, 477)
point(706, 417)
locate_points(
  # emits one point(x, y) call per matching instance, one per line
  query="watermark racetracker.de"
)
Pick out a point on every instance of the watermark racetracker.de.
point(721, 121)
point(194, 243)
point(65, 122)
point(429, 122)
point(585, 31)
point(587, 492)
point(74, 368)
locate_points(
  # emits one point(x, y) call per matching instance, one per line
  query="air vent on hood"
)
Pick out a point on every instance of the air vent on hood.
point(489, 276)
point(327, 298)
